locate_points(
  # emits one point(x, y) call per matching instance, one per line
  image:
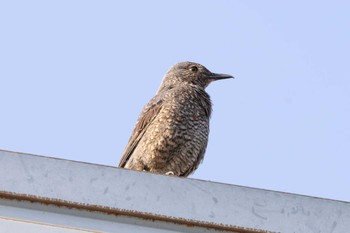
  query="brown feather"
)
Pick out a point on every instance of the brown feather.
point(149, 113)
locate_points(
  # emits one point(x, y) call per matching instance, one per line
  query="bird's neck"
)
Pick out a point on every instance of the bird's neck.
point(203, 99)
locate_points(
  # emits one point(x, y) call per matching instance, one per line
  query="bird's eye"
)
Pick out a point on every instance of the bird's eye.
point(194, 68)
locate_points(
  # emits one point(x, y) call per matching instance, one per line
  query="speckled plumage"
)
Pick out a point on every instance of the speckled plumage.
point(171, 134)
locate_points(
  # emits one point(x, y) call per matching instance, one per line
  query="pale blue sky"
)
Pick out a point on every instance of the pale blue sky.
point(76, 74)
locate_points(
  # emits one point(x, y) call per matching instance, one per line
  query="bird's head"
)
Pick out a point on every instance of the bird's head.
point(189, 73)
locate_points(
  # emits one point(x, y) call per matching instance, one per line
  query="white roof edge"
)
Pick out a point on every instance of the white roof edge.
point(156, 197)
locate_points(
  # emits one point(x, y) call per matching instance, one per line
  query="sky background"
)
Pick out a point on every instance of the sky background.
point(75, 75)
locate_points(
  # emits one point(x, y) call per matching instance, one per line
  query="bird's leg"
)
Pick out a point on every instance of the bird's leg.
point(170, 173)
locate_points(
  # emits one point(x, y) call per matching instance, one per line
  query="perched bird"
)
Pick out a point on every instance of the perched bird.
point(171, 133)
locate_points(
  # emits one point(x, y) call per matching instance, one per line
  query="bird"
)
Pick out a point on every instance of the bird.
point(171, 134)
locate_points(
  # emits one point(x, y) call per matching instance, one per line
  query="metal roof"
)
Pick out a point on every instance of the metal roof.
point(51, 192)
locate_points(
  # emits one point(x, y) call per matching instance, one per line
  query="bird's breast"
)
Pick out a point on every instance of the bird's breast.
point(183, 115)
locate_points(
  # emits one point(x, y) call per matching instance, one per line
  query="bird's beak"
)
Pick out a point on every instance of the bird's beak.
point(214, 77)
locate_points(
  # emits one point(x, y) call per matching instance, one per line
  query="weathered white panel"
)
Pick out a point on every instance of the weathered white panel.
point(170, 197)
point(15, 226)
point(47, 216)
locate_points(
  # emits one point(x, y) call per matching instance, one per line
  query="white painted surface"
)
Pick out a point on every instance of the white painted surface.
point(46, 217)
point(170, 196)
point(15, 225)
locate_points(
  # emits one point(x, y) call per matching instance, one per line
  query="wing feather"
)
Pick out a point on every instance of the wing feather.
point(146, 118)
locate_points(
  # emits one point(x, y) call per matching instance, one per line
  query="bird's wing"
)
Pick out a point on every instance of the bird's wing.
point(147, 116)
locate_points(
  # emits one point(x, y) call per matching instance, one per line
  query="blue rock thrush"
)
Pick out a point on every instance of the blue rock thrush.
point(171, 133)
